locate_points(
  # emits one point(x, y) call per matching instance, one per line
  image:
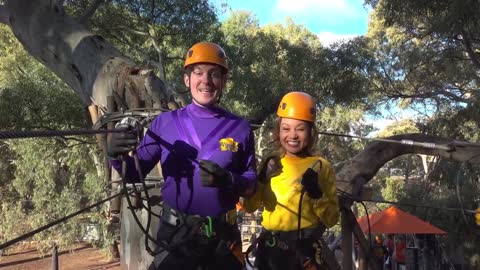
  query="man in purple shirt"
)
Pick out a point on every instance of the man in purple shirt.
point(208, 160)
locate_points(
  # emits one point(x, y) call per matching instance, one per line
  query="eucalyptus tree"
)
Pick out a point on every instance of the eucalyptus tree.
point(427, 57)
point(155, 33)
point(63, 35)
point(427, 50)
point(59, 34)
point(272, 60)
point(43, 179)
point(427, 60)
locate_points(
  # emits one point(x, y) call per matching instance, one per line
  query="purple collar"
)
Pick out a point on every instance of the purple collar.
point(203, 112)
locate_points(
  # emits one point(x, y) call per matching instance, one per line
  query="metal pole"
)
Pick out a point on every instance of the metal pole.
point(347, 263)
point(54, 256)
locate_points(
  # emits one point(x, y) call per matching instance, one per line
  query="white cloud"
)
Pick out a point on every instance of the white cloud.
point(328, 38)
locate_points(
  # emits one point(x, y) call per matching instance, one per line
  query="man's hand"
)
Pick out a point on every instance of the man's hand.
point(310, 183)
point(212, 175)
point(121, 143)
point(269, 167)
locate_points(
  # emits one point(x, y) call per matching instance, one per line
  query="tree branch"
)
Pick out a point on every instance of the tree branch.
point(432, 94)
point(4, 15)
point(57, 5)
point(137, 32)
point(367, 163)
point(90, 11)
point(468, 47)
point(59, 2)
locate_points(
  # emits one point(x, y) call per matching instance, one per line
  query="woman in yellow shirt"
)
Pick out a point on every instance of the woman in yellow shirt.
point(297, 190)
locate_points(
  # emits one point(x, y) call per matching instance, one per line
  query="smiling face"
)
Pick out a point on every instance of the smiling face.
point(294, 136)
point(206, 83)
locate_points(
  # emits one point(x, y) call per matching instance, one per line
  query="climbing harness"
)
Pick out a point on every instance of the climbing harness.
point(289, 241)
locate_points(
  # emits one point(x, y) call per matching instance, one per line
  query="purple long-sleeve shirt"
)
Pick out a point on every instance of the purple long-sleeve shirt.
point(178, 139)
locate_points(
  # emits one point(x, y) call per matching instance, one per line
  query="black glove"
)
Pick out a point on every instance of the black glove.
point(212, 175)
point(121, 143)
point(269, 167)
point(310, 184)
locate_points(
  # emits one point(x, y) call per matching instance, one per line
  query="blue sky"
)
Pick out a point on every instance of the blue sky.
point(329, 19)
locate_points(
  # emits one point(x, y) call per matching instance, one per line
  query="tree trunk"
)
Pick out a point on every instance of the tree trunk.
point(94, 69)
point(362, 167)
point(90, 65)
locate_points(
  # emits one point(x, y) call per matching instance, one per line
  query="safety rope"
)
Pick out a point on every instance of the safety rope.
point(299, 215)
point(55, 133)
point(404, 142)
point(62, 133)
point(117, 116)
point(145, 230)
point(49, 225)
point(19, 134)
point(358, 199)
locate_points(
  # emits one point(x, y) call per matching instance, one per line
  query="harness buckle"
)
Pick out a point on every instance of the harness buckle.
point(171, 217)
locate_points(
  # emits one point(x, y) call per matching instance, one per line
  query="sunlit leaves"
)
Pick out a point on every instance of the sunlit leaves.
point(42, 179)
point(153, 33)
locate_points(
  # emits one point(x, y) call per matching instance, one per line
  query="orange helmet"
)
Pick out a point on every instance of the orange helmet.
point(206, 52)
point(297, 105)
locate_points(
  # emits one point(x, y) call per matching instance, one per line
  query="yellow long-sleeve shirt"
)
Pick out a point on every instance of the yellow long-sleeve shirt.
point(282, 196)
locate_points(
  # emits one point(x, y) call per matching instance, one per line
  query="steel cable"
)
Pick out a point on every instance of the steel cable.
point(58, 221)
point(19, 134)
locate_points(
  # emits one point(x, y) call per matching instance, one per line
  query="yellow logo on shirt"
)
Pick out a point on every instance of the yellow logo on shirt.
point(228, 144)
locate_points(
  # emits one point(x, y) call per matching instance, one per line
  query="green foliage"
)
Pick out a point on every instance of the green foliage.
point(424, 52)
point(43, 180)
point(341, 120)
point(401, 127)
point(394, 189)
point(421, 55)
point(267, 62)
point(30, 95)
point(153, 33)
point(54, 178)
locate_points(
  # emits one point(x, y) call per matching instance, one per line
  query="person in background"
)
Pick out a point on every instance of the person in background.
point(400, 246)
point(379, 251)
point(389, 245)
point(297, 190)
point(207, 157)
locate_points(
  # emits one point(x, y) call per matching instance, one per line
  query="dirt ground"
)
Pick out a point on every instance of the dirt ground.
point(82, 257)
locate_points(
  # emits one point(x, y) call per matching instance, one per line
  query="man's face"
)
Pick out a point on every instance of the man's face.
point(206, 83)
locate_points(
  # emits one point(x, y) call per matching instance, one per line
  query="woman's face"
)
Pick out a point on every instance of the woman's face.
point(294, 136)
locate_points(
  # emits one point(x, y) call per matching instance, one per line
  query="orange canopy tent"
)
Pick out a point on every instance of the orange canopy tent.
point(395, 221)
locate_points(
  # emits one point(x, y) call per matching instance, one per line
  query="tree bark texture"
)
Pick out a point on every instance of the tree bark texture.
point(362, 167)
point(95, 70)
point(90, 65)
